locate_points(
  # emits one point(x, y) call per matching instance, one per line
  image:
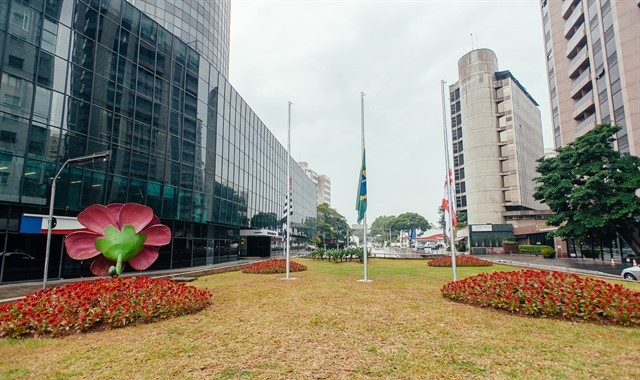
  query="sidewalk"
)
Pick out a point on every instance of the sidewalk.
point(14, 291)
point(574, 265)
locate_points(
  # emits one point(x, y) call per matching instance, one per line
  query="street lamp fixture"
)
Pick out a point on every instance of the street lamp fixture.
point(82, 160)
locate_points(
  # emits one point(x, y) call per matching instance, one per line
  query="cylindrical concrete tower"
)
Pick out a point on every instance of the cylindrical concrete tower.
point(203, 24)
point(476, 71)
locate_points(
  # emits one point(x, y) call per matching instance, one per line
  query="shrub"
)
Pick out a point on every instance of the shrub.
point(338, 254)
point(273, 266)
point(461, 248)
point(537, 249)
point(318, 254)
point(103, 303)
point(549, 295)
point(461, 261)
point(548, 252)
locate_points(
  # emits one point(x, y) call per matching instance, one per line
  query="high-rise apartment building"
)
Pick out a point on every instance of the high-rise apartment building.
point(324, 189)
point(497, 138)
point(146, 80)
point(593, 64)
point(323, 183)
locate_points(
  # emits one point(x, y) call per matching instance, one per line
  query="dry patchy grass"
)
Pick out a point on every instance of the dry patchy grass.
point(326, 325)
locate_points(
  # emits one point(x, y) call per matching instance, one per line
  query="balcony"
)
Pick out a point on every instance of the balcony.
point(566, 7)
point(576, 18)
point(578, 61)
point(583, 104)
point(580, 83)
point(576, 42)
point(586, 124)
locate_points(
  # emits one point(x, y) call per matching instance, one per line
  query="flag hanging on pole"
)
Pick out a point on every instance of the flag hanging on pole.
point(450, 220)
point(287, 211)
point(361, 200)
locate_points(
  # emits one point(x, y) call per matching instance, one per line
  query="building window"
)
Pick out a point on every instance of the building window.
point(16, 62)
point(12, 100)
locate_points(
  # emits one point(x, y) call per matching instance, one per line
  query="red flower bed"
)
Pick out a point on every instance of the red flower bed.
point(461, 261)
point(273, 266)
point(103, 303)
point(549, 294)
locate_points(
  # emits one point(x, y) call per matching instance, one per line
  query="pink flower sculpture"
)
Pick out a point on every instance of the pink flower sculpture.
point(122, 233)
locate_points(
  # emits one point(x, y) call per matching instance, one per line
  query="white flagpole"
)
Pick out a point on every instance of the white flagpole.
point(289, 193)
point(364, 221)
point(449, 185)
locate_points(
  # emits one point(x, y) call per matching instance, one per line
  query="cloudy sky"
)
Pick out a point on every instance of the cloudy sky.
point(321, 54)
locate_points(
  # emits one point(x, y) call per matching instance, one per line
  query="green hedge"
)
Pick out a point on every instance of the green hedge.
point(347, 254)
point(544, 250)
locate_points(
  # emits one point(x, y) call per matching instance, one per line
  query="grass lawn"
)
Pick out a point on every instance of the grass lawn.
point(326, 325)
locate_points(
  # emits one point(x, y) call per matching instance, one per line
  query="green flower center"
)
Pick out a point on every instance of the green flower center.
point(120, 246)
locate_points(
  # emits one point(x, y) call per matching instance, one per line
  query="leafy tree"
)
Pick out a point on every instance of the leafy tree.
point(461, 217)
point(383, 225)
point(590, 187)
point(441, 220)
point(409, 221)
point(331, 225)
point(264, 220)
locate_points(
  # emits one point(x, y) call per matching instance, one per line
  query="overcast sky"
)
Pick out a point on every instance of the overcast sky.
point(321, 54)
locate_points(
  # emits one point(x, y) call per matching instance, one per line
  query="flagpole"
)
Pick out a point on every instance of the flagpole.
point(289, 193)
point(449, 186)
point(364, 221)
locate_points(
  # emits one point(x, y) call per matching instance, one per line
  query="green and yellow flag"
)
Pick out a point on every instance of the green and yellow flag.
point(361, 200)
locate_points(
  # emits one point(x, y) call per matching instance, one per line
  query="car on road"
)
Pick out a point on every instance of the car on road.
point(631, 273)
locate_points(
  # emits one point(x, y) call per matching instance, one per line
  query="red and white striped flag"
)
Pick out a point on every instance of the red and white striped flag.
point(449, 221)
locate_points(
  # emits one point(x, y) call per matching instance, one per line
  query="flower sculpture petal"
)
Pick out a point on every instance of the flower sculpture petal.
point(122, 233)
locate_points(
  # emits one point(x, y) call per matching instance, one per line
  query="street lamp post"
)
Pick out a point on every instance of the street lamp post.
point(82, 160)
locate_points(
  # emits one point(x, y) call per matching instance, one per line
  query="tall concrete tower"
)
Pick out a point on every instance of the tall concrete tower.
point(496, 137)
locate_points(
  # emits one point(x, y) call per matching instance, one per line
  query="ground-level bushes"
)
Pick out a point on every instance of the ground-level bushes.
point(549, 295)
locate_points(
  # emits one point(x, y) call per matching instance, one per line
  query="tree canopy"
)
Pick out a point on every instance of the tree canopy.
point(410, 220)
point(331, 225)
point(590, 187)
point(383, 224)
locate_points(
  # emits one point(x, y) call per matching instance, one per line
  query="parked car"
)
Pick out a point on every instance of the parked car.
point(631, 273)
point(20, 266)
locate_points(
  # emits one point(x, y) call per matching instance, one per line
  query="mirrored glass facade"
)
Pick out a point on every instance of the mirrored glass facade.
point(82, 76)
point(203, 24)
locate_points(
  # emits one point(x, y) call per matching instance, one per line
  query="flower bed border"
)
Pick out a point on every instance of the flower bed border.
point(273, 266)
point(545, 294)
point(461, 261)
point(99, 304)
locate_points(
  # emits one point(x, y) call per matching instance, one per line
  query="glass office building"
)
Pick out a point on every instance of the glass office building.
point(83, 76)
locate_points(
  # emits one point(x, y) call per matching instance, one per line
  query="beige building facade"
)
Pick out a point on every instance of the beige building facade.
point(497, 138)
point(323, 183)
point(593, 62)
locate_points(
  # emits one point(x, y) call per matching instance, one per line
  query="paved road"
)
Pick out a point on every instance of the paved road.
point(580, 266)
point(12, 291)
point(575, 265)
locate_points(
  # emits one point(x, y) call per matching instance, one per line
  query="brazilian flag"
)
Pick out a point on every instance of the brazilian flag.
point(361, 200)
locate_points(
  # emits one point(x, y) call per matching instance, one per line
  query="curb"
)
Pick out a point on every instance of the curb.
point(557, 269)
